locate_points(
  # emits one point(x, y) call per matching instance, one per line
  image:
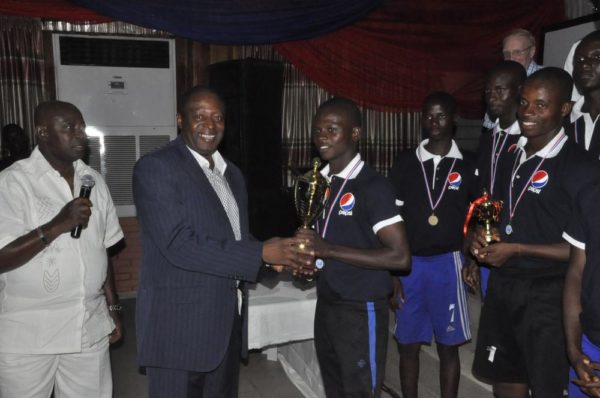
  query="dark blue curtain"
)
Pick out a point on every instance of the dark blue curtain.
point(237, 21)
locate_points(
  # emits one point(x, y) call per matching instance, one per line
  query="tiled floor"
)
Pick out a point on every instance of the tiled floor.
point(262, 378)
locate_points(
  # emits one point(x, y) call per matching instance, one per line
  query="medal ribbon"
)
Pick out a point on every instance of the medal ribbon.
point(434, 206)
point(512, 209)
point(495, 156)
point(339, 192)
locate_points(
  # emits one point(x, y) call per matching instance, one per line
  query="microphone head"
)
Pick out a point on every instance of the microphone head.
point(87, 181)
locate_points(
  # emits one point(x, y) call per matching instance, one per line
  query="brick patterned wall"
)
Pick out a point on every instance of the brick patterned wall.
point(126, 263)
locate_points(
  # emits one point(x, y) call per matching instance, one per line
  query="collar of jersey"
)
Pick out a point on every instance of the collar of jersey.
point(424, 155)
point(514, 128)
point(545, 151)
point(345, 174)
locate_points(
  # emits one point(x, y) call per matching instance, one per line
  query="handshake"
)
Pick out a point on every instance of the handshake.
point(296, 254)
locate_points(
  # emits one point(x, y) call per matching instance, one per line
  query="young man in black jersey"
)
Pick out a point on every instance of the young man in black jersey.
point(583, 127)
point(433, 186)
point(359, 238)
point(495, 145)
point(520, 345)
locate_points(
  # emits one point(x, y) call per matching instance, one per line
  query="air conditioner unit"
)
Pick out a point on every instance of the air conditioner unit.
point(125, 88)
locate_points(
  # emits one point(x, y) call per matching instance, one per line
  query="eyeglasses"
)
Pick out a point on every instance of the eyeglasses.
point(515, 53)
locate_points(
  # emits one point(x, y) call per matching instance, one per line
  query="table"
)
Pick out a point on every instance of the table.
point(281, 315)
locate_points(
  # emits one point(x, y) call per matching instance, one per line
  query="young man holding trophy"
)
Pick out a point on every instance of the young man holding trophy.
point(358, 238)
point(496, 144)
point(520, 345)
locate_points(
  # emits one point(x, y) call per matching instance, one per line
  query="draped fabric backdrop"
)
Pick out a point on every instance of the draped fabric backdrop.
point(22, 71)
point(389, 60)
point(404, 50)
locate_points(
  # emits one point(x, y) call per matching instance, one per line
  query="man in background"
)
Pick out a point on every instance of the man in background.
point(519, 46)
point(56, 298)
point(583, 125)
point(15, 145)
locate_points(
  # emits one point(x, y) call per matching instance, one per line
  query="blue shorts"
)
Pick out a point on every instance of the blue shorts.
point(484, 276)
point(435, 302)
point(593, 352)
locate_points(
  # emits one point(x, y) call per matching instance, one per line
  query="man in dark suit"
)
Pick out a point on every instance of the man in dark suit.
point(196, 254)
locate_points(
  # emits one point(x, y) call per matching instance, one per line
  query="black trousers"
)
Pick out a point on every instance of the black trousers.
point(351, 345)
point(223, 382)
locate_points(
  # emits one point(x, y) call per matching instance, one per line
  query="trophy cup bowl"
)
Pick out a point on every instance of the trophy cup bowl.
point(487, 213)
point(310, 193)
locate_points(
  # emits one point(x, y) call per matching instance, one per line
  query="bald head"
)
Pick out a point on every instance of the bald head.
point(46, 111)
point(60, 131)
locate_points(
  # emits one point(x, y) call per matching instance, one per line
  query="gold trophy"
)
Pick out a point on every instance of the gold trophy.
point(487, 212)
point(310, 193)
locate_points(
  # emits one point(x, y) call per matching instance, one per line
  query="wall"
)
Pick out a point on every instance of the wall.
point(126, 263)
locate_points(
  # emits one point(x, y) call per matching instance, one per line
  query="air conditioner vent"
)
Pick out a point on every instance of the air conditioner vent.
point(114, 52)
point(149, 143)
point(120, 157)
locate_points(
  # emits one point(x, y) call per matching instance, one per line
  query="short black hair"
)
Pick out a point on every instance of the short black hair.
point(50, 108)
point(345, 106)
point(513, 68)
point(593, 36)
point(557, 78)
point(200, 89)
point(443, 98)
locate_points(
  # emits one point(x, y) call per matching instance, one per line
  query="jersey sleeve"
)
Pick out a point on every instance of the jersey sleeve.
point(381, 205)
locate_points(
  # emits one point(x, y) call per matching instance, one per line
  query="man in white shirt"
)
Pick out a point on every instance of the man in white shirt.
point(54, 291)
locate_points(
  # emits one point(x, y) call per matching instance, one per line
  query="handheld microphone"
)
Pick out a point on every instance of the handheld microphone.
point(87, 183)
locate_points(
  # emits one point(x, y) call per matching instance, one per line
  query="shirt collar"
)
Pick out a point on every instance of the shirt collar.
point(424, 155)
point(220, 164)
point(356, 163)
point(549, 150)
point(41, 166)
point(514, 128)
point(576, 112)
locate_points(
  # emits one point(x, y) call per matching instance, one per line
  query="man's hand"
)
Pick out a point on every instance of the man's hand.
point(587, 380)
point(497, 254)
point(76, 212)
point(294, 253)
point(117, 333)
point(397, 299)
point(471, 276)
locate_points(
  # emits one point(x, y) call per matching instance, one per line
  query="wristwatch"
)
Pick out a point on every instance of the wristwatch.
point(115, 308)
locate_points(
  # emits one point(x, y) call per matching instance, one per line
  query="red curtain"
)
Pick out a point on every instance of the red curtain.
point(405, 49)
point(394, 57)
point(50, 9)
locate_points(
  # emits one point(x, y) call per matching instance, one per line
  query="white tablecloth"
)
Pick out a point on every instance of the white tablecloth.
point(281, 315)
point(280, 311)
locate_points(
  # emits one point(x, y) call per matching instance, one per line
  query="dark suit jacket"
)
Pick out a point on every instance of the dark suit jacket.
point(187, 292)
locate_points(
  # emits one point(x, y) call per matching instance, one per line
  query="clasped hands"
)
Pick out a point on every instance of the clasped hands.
point(295, 255)
point(496, 254)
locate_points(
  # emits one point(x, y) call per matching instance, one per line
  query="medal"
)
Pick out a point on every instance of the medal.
point(319, 263)
point(433, 220)
point(508, 229)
